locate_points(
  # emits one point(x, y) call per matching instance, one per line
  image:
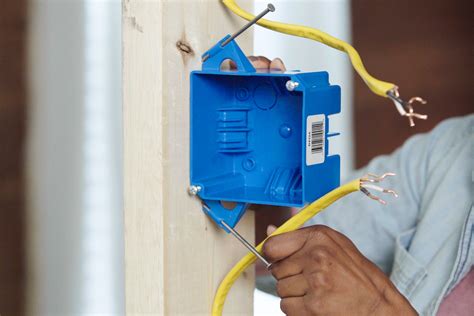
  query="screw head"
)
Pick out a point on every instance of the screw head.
point(194, 189)
point(291, 85)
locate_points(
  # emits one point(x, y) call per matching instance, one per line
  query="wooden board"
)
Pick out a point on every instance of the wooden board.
point(174, 255)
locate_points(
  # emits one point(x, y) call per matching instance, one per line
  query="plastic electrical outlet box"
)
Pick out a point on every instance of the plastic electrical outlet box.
point(254, 141)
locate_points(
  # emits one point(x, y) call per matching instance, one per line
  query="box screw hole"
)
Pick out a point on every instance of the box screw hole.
point(248, 164)
point(242, 94)
point(228, 205)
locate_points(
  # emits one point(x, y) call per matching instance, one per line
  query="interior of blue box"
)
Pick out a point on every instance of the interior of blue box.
point(246, 136)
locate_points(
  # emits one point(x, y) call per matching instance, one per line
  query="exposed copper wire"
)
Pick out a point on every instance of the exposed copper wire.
point(367, 182)
point(370, 177)
point(406, 108)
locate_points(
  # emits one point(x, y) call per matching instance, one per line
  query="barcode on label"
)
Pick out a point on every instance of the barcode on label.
point(315, 139)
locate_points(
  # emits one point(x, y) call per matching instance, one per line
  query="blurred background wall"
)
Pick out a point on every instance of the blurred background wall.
point(13, 112)
point(426, 48)
point(60, 126)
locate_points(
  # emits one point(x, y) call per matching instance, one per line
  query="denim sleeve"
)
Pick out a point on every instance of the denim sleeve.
point(373, 227)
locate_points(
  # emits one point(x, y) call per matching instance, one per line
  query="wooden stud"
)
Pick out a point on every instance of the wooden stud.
point(174, 255)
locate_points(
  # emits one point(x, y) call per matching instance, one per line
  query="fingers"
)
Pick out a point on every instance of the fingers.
point(293, 306)
point(277, 63)
point(285, 269)
point(232, 64)
point(228, 64)
point(292, 286)
point(260, 62)
point(281, 246)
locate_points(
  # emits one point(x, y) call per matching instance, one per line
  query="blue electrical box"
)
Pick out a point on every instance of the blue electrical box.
point(260, 136)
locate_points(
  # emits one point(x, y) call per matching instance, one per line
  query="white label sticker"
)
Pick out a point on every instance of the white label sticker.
point(315, 139)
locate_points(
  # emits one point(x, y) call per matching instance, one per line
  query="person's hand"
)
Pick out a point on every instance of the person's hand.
point(319, 271)
point(260, 62)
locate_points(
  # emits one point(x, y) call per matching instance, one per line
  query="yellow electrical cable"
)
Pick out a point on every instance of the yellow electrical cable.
point(377, 86)
point(292, 224)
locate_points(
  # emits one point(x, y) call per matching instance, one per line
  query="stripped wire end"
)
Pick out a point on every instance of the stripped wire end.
point(367, 182)
point(406, 108)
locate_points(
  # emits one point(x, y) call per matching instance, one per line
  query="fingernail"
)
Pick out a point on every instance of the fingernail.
point(277, 63)
point(270, 229)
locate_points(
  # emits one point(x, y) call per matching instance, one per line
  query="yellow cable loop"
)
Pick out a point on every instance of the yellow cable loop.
point(292, 224)
point(377, 86)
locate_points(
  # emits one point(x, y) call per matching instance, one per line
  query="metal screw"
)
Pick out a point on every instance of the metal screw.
point(194, 189)
point(291, 85)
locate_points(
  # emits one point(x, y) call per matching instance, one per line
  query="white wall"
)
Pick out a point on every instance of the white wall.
point(333, 17)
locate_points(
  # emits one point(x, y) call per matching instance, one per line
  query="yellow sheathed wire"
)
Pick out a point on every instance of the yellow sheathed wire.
point(379, 87)
point(292, 224)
